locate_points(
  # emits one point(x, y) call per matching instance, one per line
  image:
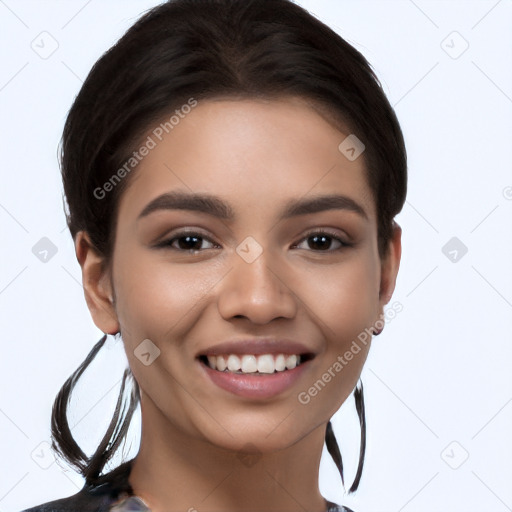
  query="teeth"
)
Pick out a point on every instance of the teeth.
point(280, 362)
point(234, 363)
point(248, 363)
point(291, 361)
point(265, 364)
point(221, 363)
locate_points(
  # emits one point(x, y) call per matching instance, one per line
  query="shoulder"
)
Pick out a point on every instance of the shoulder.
point(82, 501)
point(92, 498)
point(334, 507)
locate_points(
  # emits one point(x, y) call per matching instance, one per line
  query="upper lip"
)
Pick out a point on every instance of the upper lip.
point(257, 346)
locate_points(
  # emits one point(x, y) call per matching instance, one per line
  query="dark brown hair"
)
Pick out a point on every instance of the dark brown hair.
point(207, 49)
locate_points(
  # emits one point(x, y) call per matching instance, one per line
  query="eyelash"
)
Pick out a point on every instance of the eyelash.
point(167, 244)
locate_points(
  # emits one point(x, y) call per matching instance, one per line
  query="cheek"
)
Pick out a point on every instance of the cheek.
point(347, 300)
point(346, 305)
point(155, 296)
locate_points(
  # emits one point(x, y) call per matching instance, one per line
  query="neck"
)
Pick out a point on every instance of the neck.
point(176, 471)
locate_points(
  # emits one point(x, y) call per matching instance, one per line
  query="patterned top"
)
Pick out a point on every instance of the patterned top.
point(113, 493)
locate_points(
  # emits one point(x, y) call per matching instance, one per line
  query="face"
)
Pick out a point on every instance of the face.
point(187, 277)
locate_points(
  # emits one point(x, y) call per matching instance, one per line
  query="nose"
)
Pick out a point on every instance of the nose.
point(257, 291)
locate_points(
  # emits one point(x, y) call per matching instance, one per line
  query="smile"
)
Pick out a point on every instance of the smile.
point(256, 377)
point(254, 364)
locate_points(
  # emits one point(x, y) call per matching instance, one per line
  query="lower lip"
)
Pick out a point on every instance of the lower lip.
point(255, 386)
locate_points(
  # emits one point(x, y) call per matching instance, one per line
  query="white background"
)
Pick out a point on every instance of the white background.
point(439, 373)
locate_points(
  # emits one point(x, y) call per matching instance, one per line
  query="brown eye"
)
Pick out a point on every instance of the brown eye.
point(322, 241)
point(188, 241)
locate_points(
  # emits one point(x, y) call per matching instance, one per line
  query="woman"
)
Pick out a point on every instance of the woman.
point(232, 170)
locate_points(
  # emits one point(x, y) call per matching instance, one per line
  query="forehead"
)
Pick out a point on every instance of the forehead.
point(255, 153)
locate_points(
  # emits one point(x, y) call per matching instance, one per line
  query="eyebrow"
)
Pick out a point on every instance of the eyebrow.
point(216, 207)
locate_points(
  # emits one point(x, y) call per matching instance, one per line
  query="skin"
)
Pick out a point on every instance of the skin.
point(256, 155)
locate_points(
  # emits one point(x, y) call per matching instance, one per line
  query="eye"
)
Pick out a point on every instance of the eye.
point(191, 241)
point(323, 240)
point(188, 241)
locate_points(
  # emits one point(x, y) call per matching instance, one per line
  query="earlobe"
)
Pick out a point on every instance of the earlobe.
point(97, 284)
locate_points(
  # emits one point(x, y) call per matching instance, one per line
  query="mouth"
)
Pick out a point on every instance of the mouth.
point(254, 377)
point(255, 364)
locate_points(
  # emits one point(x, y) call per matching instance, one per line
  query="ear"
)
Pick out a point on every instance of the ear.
point(97, 284)
point(389, 267)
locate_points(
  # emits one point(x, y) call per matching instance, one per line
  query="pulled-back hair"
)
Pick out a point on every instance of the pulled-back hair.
point(207, 49)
